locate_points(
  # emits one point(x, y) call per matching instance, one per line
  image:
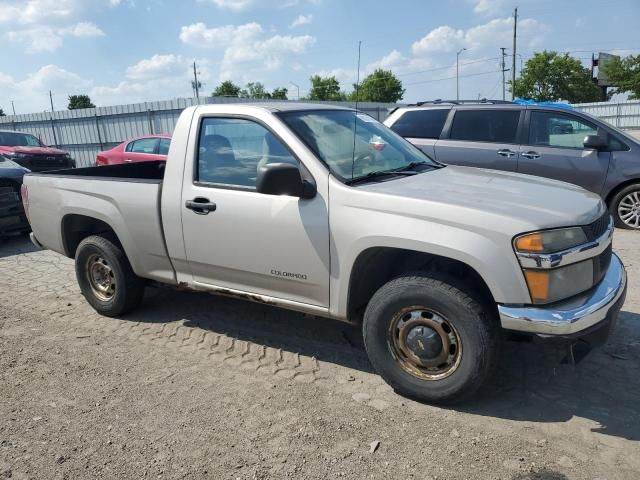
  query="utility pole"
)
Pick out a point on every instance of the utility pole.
point(504, 97)
point(513, 65)
point(458, 73)
point(196, 85)
point(53, 126)
point(13, 107)
point(298, 88)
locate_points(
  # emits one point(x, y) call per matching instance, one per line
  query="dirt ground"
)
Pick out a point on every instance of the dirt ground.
point(195, 386)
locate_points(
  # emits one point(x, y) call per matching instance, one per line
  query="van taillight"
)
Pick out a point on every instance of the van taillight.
point(24, 194)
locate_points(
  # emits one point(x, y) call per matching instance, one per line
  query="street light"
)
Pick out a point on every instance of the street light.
point(298, 87)
point(458, 73)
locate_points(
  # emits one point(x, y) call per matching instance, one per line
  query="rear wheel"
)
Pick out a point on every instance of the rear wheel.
point(625, 207)
point(429, 339)
point(105, 276)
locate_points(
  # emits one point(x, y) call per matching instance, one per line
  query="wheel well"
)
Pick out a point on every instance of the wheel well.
point(376, 266)
point(76, 228)
point(618, 188)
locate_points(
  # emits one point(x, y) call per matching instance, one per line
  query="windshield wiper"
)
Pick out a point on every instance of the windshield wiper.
point(381, 173)
point(411, 167)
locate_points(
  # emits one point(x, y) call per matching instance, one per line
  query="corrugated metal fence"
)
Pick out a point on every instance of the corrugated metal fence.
point(624, 115)
point(84, 133)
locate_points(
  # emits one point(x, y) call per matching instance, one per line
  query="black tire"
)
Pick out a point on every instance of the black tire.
point(615, 203)
point(476, 328)
point(128, 288)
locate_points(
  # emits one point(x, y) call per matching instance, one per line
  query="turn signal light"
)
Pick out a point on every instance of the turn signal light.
point(538, 283)
point(530, 243)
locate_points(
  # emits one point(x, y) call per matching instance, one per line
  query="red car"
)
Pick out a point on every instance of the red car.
point(140, 149)
point(27, 151)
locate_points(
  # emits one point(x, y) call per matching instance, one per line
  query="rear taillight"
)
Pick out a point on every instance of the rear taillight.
point(24, 194)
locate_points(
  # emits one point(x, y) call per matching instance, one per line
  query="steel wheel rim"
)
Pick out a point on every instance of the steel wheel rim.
point(629, 209)
point(439, 366)
point(101, 278)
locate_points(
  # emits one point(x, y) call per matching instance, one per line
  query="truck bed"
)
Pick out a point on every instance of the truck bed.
point(124, 197)
point(148, 171)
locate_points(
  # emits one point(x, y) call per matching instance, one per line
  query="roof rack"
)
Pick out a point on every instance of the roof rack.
point(459, 102)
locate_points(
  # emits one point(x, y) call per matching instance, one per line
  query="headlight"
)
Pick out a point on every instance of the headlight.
point(550, 241)
point(547, 286)
point(14, 155)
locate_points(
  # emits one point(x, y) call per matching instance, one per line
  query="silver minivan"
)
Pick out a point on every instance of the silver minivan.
point(547, 141)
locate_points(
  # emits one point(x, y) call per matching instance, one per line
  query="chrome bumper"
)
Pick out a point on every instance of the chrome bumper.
point(35, 241)
point(572, 316)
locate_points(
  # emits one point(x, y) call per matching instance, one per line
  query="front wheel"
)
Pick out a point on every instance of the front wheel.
point(429, 339)
point(625, 207)
point(106, 278)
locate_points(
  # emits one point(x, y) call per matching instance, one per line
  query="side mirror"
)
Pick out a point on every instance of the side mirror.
point(283, 179)
point(595, 142)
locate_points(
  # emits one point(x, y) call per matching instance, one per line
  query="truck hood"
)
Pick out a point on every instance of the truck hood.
point(10, 169)
point(497, 200)
point(33, 150)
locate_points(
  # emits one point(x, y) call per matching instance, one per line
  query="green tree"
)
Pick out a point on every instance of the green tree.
point(80, 101)
point(254, 90)
point(550, 76)
point(2, 114)
point(279, 93)
point(227, 89)
point(325, 88)
point(624, 74)
point(380, 86)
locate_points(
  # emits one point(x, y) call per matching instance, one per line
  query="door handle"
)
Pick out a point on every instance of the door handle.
point(506, 153)
point(201, 205)
point(531, 155)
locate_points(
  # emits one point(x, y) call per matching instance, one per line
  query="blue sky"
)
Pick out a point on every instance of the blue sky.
point(123, 51)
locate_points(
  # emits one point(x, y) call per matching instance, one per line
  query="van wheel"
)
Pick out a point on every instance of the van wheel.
point(105, 276)
point(625, 207)
point(430, 340)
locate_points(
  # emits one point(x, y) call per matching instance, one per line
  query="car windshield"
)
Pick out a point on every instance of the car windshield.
point(16, 139)
point(373, 149)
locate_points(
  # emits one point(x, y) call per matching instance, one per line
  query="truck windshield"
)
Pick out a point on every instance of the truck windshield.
point(16, 139)
point(354, 145)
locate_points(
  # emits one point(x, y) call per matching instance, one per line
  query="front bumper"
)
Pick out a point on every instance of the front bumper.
point(574, 317)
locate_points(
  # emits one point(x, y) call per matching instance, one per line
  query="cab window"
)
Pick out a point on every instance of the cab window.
point(143, 145)
point(492, 126)
point(231, 150)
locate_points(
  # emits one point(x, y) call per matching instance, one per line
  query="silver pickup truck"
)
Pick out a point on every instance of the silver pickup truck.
point(326, 211)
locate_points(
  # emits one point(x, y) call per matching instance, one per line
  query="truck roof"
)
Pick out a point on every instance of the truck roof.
point(285, 106)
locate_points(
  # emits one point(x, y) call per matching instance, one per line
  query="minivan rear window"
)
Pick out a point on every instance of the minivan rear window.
point(495, 126)
point(421, 123)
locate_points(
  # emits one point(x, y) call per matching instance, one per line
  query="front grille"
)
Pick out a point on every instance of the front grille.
point(9, 194)
point(601, 264)
point(596, 229)
point(41, 163)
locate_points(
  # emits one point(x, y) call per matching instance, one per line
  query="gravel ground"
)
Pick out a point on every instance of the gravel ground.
point(195, 386)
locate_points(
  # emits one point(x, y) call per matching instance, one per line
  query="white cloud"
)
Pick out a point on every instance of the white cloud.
point(35, 11)
point(302, 20)
point(83, 29)
point(199, 35)
point(46, 39)
point(233, 5)
point(489, 7)
point(156, 66)
point(441, 39)
point(31, 94)
point(40, 25)
point(248, 49)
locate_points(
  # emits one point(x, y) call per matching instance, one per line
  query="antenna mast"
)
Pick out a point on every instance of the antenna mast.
point(355, 115)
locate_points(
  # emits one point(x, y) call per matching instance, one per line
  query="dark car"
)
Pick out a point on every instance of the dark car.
point(547, 141)
point(12, 216)
point(27, 150)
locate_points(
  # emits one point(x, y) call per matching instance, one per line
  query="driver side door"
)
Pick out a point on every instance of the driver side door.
point(274, 245)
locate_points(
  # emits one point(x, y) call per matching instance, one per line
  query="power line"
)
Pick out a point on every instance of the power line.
point(449, 78)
